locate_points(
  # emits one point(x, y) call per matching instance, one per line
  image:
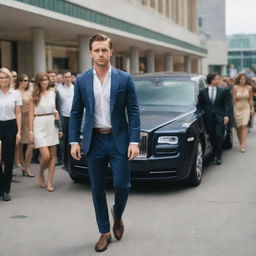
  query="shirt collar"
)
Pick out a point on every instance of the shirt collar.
point(108, 73)
point(8, 92)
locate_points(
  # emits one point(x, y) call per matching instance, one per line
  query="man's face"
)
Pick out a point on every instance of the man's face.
point(101, 53)
point(53, 78)
point(59, 78)
point(215, 81)
point(67, 78)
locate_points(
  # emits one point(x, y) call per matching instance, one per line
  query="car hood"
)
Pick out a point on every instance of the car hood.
point(155, 117)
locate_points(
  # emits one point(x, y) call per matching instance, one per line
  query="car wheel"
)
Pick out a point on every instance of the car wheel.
point(195, 176)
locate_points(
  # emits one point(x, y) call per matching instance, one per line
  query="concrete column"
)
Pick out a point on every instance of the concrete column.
point(199, 66)
point(147, 3)
point(224, 70)
point(150, 55)
point(185, 13)
point(134, 60)
point(38, 48)
point(125, 62)
point(49, 58)
point(6, 55)
point(168, 58)
point(174, 11)
point(194, 15)
point(156, 5)
point(187, 64)
point(85, 61)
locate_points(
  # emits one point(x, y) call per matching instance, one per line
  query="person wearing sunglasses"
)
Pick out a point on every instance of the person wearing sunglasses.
point(22, 85)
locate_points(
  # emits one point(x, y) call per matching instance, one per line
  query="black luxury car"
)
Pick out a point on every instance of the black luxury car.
point(173, 142)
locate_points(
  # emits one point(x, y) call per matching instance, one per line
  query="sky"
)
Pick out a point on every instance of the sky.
point(240, 16)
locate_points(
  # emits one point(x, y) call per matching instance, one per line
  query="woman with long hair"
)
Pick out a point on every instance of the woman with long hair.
point(243, 108)
point(10, 129)
point(22, 85)
point(43, 131)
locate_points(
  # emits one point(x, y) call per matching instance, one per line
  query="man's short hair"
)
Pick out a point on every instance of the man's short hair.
point(211, 77)
point(50, 71)
point(100, 37)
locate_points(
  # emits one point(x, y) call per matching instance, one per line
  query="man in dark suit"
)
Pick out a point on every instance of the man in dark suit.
point(215, 102)
point(109, 98)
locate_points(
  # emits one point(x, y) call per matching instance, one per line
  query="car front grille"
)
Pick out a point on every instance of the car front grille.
point(143, 145)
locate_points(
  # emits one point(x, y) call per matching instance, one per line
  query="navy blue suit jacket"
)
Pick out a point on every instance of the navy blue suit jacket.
point(123, 101)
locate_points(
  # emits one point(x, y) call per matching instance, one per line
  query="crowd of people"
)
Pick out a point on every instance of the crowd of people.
point(34, 118)
point(41, 109)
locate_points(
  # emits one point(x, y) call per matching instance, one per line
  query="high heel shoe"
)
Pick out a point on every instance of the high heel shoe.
point(27, 173)
point(50, 189)
point(242, 150)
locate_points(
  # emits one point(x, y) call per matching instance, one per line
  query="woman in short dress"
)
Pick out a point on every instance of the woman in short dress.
point(42, 127)
point(22, 85)
point(243, 108)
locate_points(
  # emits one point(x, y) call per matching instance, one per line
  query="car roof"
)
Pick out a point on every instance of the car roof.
point(167, 74)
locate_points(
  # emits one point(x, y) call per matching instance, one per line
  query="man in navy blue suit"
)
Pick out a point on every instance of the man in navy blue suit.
point(109, 99)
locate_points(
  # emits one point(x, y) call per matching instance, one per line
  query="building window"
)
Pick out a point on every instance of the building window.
point(60, 63)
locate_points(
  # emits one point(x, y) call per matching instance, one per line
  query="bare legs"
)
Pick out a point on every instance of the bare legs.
point(242, 132)
point(27, 161)
point(47, 159)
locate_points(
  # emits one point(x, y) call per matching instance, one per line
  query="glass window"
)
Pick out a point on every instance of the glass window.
point(165, 92)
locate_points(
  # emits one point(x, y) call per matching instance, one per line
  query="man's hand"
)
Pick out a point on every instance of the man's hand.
point(226, 120)
point(76, 151)
point(133, 151)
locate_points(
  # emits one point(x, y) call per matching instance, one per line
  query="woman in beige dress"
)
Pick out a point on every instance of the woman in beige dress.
point(42, 127)
point(243, 108)
point(22, 86)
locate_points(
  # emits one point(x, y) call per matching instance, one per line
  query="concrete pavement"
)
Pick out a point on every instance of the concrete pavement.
point(218, 218)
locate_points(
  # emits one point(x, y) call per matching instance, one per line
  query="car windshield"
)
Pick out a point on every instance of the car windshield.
point(165, 92)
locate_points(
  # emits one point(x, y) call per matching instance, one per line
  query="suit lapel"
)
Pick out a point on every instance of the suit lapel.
point(207, 95)
point(114, 87)
point(89, 89)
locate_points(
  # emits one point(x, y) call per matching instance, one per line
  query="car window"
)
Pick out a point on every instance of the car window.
point(165, 92)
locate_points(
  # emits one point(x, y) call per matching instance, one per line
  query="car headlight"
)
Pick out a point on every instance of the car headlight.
point(172, 140)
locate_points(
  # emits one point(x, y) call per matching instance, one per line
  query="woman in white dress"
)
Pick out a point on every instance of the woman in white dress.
point(43, 131)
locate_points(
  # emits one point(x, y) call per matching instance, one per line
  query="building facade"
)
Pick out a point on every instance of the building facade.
point(212, 27)
point(242, 51)
point(148, 35)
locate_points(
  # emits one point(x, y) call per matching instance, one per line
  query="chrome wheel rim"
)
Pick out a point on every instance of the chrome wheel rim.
point(199, 161)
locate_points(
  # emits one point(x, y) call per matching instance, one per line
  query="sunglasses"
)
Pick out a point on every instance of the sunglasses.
point(25, 80)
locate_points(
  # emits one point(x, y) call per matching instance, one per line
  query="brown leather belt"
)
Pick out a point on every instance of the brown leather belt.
point(102, 131)
point(44, 114)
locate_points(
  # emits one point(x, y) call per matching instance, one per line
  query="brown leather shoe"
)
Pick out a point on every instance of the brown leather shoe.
point(118, 228)
point(103, 242)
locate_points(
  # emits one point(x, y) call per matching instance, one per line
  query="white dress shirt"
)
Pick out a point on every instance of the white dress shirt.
point(8, 102)
point(212, 90)
point(102, 101)
point(66, 95)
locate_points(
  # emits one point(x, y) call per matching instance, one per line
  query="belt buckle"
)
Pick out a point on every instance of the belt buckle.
point(104, 131)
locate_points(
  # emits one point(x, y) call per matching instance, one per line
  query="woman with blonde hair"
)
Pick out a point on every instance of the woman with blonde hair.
point(10, 129)
point(22, 85)
point(243, 108)
point(43, 130)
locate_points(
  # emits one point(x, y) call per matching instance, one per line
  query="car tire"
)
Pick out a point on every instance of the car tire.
point(195, 176)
